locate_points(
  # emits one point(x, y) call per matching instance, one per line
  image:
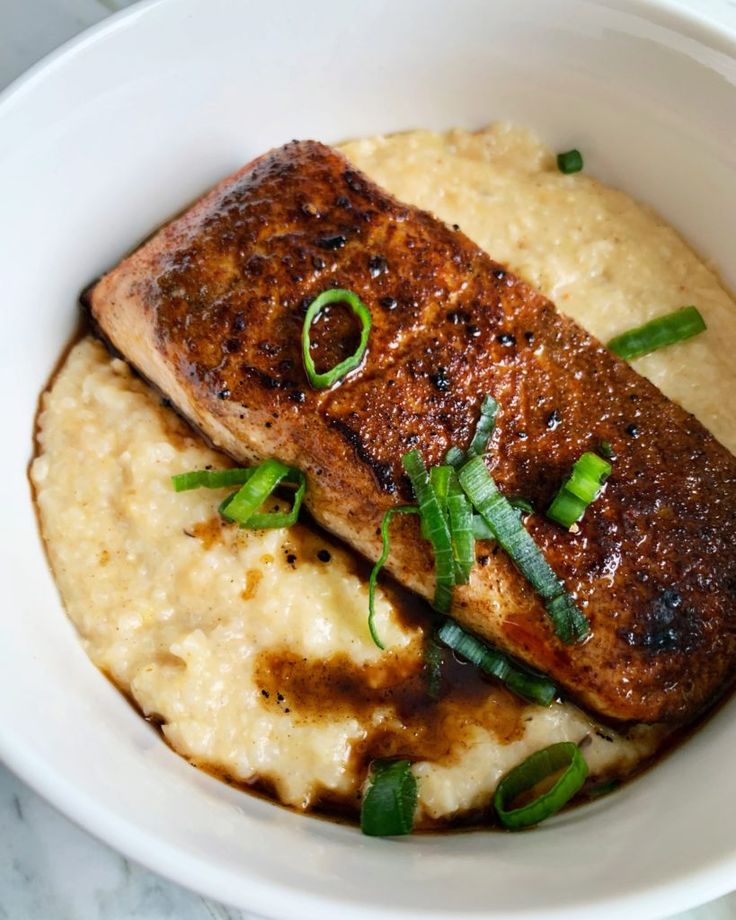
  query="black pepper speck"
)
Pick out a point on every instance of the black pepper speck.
point(553, 420)
point(439, 379)
point(377, 266)
point(324, 555)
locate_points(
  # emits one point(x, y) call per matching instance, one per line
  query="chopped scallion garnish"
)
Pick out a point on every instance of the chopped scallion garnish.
point(385, 550)
point(439, 477)
point(507, 528)
point(658, 333)
point(522, 504)
point(533, 687)
point(542, 765)
point(581, 488)
point(242, 506)
point(570, 162)
point(460, 519)
point(455, 457)
point(434, 527)
point(321, 381)
point(484, 427)
point(390, 799)
point(258, 482)
point(479, 442)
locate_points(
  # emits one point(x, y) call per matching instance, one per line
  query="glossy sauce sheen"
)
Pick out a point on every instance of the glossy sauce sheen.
point(211, 311)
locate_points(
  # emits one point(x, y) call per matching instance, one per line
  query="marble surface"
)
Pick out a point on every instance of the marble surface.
point(49, 868)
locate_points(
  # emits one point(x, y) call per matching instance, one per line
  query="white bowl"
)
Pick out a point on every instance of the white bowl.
point(134, 119)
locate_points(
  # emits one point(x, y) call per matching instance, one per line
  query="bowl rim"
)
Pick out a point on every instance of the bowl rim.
point(276, 899)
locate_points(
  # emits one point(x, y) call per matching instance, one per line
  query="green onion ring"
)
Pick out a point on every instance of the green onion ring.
point(321, 381)
point(562, 756)
point(579, 490)
point(390, 799)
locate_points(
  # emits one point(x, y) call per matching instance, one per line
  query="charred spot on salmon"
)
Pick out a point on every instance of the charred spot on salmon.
point(331, 243)
point(381, 471)
point(665, 626)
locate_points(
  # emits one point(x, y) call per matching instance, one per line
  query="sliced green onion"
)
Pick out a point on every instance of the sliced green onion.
point(211, 479)
point(541, 765)
point(335, 295)
point(581, 488)
point(433, 668)
point(460, 518)
point(439, 477)
point(242, 506)
point(605, 450)
point(524, 683)
point(390, 800)
point(436, 529)
point(385, 550)
point(570, 162)
point(455, 457)
point(481, 530)
point(658, 333)
point(481, 436)
point(484, 427)
point(566, 508)
point(505, 524)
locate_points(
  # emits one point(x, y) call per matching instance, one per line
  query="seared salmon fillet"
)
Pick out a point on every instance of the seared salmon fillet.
point(211, 309)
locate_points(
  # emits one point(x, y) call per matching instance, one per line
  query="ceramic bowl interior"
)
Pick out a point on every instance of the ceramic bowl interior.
point(103, 142)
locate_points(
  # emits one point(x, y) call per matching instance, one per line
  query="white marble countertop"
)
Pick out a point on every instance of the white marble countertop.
point(49, 868)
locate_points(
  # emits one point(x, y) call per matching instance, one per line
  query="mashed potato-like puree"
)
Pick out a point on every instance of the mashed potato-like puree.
point(251, 649)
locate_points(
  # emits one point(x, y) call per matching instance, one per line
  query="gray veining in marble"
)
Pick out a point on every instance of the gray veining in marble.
point(49, 868)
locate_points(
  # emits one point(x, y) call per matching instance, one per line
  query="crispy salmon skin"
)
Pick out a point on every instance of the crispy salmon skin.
point(211, 310)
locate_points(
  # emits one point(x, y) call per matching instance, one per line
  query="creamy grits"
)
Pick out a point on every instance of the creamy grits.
point(251, 649)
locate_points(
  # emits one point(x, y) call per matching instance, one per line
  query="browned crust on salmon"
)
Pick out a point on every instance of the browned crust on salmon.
point(211, 310)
